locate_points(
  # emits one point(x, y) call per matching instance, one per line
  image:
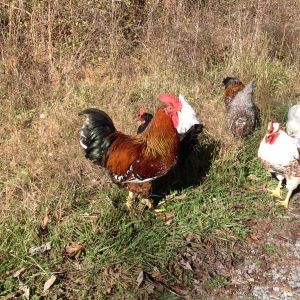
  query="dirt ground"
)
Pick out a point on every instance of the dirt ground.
point(271, 264)
point(265, 266)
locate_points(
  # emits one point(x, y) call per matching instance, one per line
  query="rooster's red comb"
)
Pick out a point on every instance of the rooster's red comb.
point(169, 98)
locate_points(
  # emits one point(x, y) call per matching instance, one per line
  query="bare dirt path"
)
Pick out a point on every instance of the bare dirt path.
point(265, 266)
point(271, 266)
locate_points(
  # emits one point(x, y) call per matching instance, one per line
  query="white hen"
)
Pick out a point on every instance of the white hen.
point(187, 116)
point(293, 122)
point(279, 153)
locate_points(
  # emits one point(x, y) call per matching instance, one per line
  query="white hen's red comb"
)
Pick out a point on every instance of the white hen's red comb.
point(270, 130)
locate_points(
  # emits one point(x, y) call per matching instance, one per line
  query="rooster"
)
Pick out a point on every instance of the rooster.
point(279, 154)
point(241, 111)
point(133, 162)
point(293, 122)
point(188, 132)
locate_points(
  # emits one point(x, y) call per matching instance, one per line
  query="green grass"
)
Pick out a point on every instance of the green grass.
point(124, 243)
point(61, 59)
point(216, 282)
point(218, 200)
point(270, 248)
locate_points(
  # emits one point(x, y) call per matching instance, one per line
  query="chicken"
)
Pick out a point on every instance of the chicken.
point(186, 112)
point(144, 118)
point(242, 114)
point(293, 122)
point(188, 132)
point(232, 86)
point(133, 162)
point(279, 154)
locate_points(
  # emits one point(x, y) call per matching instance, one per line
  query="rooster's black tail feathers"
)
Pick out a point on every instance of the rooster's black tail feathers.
point(95, 134)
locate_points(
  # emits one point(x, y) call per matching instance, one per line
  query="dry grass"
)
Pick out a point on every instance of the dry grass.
point(60, 57)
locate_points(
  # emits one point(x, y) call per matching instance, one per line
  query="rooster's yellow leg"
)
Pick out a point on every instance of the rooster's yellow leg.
point(147, 202)
point(285, 202)
point(277, 192)
point(129, 200)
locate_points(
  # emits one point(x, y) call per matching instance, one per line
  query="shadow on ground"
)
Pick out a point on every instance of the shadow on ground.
point(190, 170)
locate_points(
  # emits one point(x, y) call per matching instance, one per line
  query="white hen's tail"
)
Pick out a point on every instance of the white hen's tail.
point(294, 112)
point(187, 117)
point(293, 122)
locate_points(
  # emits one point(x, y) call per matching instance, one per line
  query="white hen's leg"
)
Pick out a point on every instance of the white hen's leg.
point(285, 202)
point(277, 192)
point(291, 185)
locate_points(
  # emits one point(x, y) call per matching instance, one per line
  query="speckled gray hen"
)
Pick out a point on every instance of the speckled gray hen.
point(242, 114)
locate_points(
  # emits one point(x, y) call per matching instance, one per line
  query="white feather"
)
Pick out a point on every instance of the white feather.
point(293, 122)
point(294, 112)
point(82, 145)
point(187, 117)
point(82, 136)
point(136, 180)
point(281, 152)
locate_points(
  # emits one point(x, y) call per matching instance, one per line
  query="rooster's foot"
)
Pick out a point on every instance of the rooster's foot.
point(147, 202)
point(129, 201)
